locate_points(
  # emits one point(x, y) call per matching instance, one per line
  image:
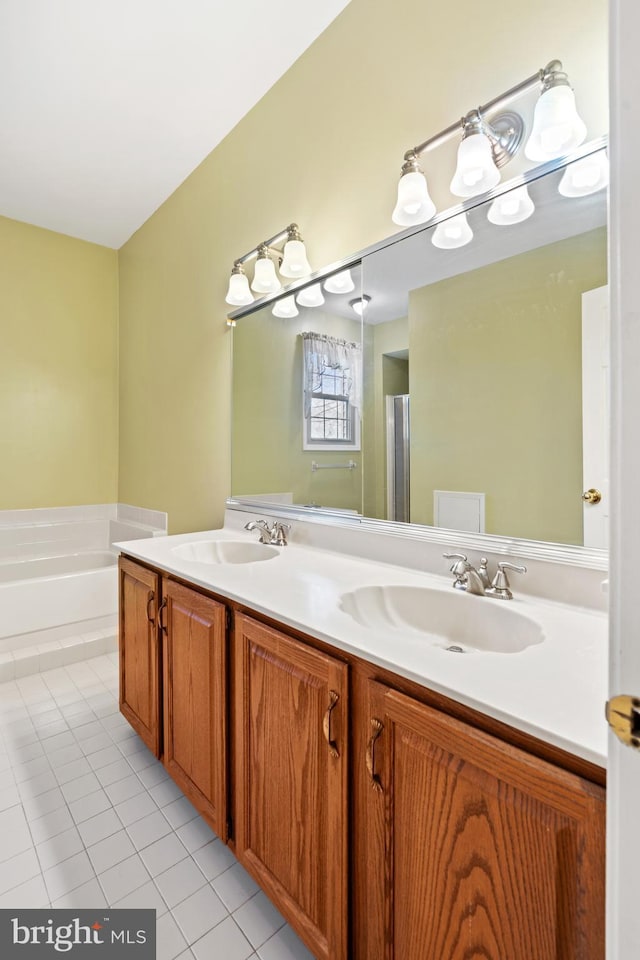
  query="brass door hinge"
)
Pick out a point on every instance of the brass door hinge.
point(623, 716)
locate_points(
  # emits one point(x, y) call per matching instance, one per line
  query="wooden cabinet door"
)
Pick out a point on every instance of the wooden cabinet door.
point(291, 783)
point(195, 702)
point(140, 672)
point(476, 848)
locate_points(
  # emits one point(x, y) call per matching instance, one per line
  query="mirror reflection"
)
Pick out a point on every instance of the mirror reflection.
point(484, 378)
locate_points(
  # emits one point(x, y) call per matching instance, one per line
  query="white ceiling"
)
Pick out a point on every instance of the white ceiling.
point(106, 106)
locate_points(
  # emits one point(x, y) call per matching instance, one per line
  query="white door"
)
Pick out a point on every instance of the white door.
point(595, 416)
point(623, 788)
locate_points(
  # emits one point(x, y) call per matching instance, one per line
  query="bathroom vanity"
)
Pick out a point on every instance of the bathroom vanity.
point(393, 797)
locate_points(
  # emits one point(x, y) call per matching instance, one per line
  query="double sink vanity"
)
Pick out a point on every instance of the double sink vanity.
point(406, 769)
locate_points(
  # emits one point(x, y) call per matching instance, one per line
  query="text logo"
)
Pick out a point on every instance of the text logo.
point(78, 934)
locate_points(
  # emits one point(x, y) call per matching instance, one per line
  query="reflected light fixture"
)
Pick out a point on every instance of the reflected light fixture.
point(238, 294)
point(311, 296)
point(512, 207)
point(557, 126)
point(490, 139)
point(360, 304)
point(285, 308)
point(451, 233)
point(291, 260)
point(585, 176)
point(340, 282)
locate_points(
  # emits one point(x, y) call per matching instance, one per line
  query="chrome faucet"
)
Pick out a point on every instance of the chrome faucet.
point(477, 582)
point(275, 534)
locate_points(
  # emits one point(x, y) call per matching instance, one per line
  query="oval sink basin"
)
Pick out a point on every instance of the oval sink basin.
point(224, 551)
point(446, 620)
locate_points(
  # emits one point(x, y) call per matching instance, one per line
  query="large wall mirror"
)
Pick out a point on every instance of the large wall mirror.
point(470, 391)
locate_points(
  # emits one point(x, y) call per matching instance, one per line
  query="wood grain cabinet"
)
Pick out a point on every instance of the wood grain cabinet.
point(291, 780)
point(195, 701)
point(475, 848)
point(140, 701)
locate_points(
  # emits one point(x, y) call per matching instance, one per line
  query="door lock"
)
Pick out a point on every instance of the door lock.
point(592, 495)
point(623, 716)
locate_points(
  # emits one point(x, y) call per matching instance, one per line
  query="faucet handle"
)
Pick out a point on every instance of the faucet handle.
point(500, 583)
point(279, 533)
point(456, 567)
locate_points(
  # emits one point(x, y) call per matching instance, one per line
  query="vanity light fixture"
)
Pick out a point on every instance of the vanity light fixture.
point(311, 296)
point(285, 308)
point(512, 207)
point(291, 261)
point(490, 139)
point(340, 282)
point(452, 233)
point(360, 304)
point(585, 176)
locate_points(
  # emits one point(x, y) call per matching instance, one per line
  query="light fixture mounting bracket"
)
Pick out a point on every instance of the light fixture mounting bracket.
point(506, 132)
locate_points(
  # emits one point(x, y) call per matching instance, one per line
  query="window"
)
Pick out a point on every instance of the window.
point(331, 419)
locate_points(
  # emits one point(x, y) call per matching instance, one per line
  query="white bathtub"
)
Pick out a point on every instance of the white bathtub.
point(42, 593)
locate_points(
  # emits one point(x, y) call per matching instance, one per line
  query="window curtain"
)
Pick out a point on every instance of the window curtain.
point(321, 352)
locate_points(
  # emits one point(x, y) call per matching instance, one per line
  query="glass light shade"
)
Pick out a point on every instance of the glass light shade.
point(585, 176)
point(285, 308)
point(452, 233)
point(311, 296)
point(264, 277)
point(557, 126)
point(476, 171)
point(512, 207)
point(294, 262)
point(340, 283)
point(238, 293)
point(414, 203)
point(360, 304)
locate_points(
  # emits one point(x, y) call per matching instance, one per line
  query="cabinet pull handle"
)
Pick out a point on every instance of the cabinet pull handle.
point(161, 625)
point(150, 600)
point(376, 729)
point(326, 724)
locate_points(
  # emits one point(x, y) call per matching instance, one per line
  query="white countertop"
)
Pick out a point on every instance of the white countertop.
point(554, 690)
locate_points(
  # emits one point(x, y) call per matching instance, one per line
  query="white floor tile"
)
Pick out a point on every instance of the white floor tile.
point(81, 787)
point(195, 834)
point(51, 825)
point(14, 832)
point(123, 790)
point(105, 757)
point(31, 769)
point(40, 784)
point(35, 807)
point(29, 895)
point(68, 875)
point(59, 848)
point(199, 913)
point(225, 940)
point(142, 805)
point(92, 744)
point(87, 896)
point(154, 774)
point(234, 887)
point(258, 919)
point(18, 869)
point(86, 807)
point(100, 827)
point(114, 771)
point(214, 858)
point(9, 797)
point(58, 758)
point(162, 854)
point(284, 945)
point(179, 812)
point(165, 792)
point(179, 882)
point(149, 829)
point(169, 941)
point(147, 896)
point(124, 878)
point(72, 771)
point(110, 851)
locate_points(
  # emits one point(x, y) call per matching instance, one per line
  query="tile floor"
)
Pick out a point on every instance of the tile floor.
point(89, 818)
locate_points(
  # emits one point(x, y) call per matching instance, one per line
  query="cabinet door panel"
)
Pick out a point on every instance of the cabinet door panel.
point(195, 730)
point(291, 781)
point(486, 851)
point(139, 648)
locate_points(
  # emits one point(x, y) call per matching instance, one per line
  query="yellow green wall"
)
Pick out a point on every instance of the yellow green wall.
point(496, 388)
point(323, 148)
point(267, 454)
point(58, 370)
